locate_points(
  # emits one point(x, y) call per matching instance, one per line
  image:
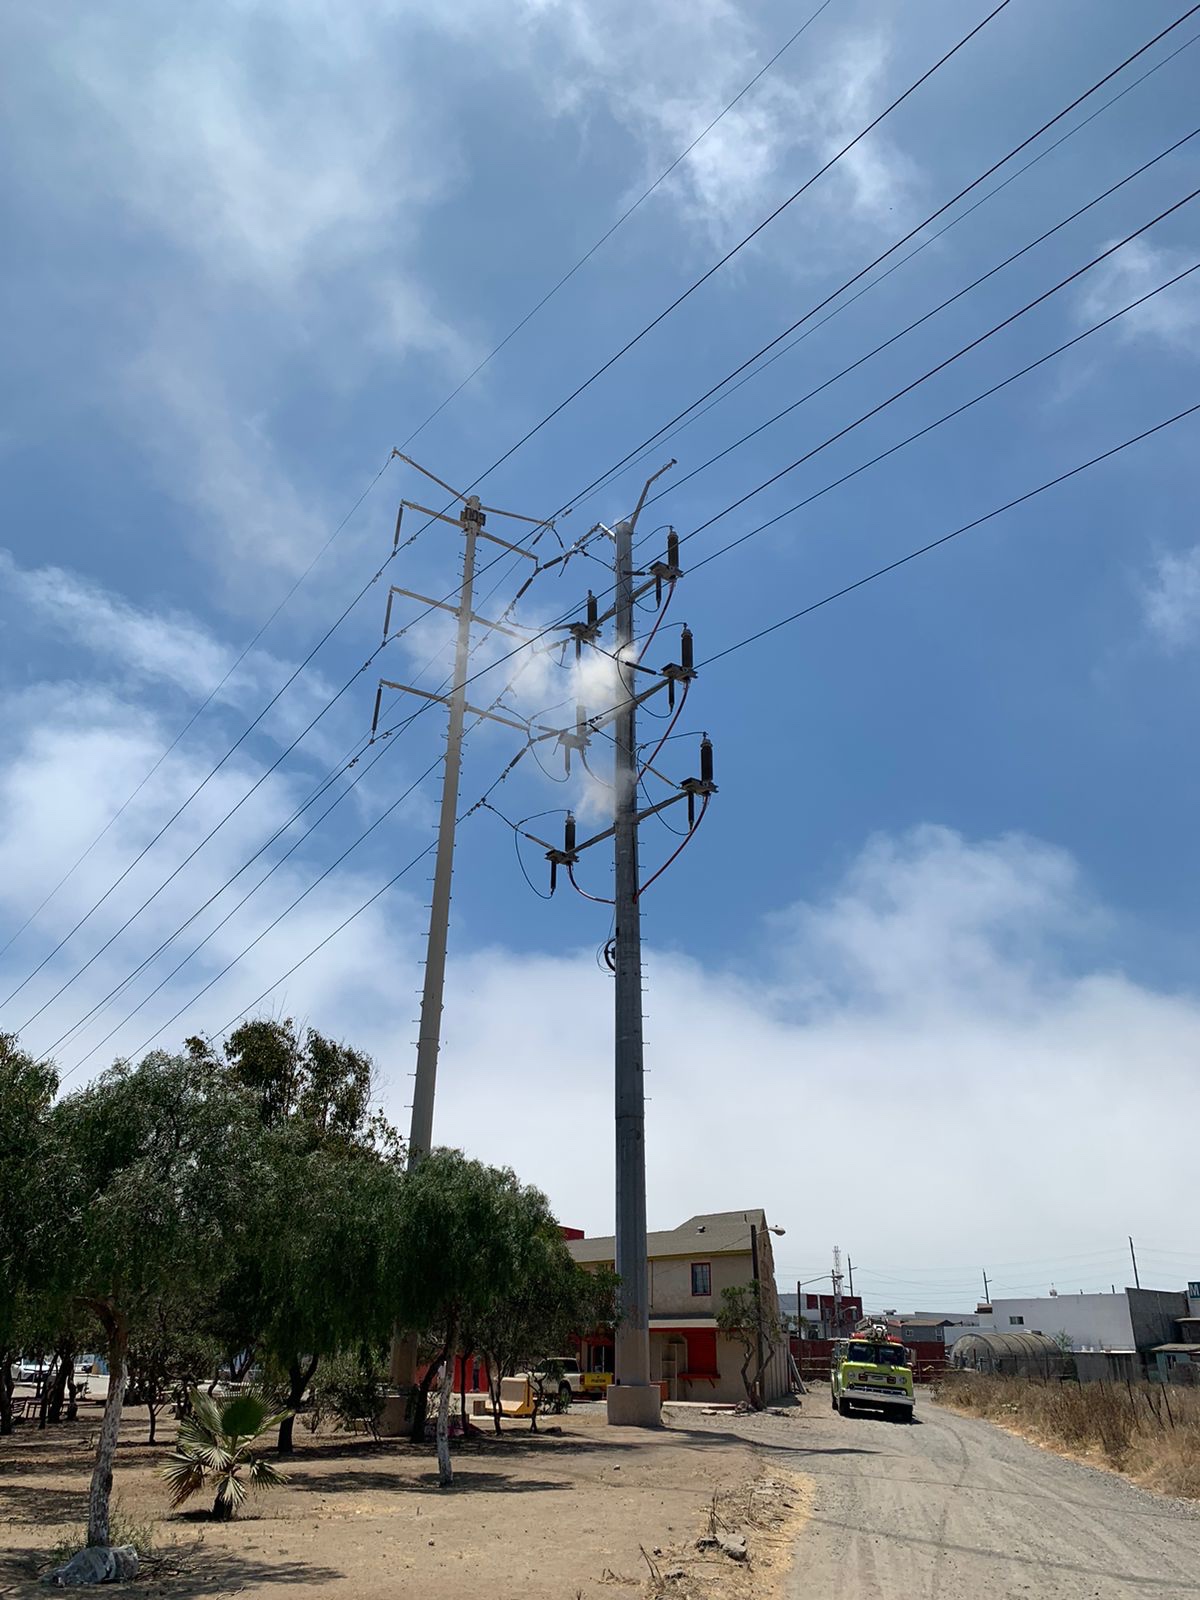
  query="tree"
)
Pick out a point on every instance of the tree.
point(552, 1300)
point(164, 1161)
point(27, 1089)
point(463, 1244)
point(310, 1284)
point(746, 1316)
point(170, 1351)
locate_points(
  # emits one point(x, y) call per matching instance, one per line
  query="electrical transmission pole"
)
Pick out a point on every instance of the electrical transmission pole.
point(470, 521)
point(632, 1399)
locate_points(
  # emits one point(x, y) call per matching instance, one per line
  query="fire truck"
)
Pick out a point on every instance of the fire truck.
point(872, 1369)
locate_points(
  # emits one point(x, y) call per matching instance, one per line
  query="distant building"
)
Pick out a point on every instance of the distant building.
point(689, 1266)
point(1134, 1319)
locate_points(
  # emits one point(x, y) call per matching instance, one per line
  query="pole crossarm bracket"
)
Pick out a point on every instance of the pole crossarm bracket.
point(441, 605)
point(443, 699)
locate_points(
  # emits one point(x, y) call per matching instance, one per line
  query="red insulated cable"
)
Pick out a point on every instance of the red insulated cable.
point(649, 761)
point(657, 621)
point(675, 853)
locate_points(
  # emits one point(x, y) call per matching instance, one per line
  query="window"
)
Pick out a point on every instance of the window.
point(701, 1277)
point(1016, 1322)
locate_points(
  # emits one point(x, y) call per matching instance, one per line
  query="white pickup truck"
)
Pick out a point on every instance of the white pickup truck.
point(558, 1375)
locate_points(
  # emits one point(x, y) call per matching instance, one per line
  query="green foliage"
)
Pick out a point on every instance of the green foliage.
point(27, 1174)
point(214, 1449)
point(746, 1316)
point(352, 1386)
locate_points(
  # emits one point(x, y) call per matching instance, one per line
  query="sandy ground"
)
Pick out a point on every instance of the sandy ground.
point(578, 1512)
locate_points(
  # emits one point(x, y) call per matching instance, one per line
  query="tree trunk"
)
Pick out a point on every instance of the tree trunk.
point(7, 1357)
point(299, 1378)
point(494, 1381)
point(47, 1382)
point(420, 1402)
point(445, 1470)
point(58, 1393)
point(100, 1492)
point(462, 1387)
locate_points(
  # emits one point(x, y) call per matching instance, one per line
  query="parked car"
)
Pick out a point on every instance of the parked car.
point(28, 1369)
point(558, 1374)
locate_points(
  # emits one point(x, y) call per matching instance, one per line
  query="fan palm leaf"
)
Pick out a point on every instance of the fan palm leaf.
point(213, 1449)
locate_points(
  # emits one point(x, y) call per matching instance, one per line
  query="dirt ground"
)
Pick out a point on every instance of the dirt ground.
point(580, 1511)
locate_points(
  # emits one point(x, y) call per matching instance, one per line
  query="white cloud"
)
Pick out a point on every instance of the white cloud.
point(1171, 318)
point(1171, 599)
point(664, 73)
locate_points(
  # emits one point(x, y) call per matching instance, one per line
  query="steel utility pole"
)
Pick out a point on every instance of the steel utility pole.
point(470, 522)
point(634, 1400)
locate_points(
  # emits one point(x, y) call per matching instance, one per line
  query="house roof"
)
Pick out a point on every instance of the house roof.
point(709, 1233)
point(1190, 1349)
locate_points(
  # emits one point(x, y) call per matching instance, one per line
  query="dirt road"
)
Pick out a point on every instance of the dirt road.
point(953, 1508)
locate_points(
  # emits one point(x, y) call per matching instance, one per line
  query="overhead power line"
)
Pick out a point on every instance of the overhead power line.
point(883, 256)
point(745, 240)
point(955, 533)
point(724, 394)
point(621, 220)
point(926, 316)
point(192, 720)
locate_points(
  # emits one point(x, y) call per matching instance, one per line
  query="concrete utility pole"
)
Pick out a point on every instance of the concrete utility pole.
point(470, 522)
point(1137, 1282)
point(987, 1299)
point(634, 1400)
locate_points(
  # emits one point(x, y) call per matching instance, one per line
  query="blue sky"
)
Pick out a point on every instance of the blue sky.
point(947, 888)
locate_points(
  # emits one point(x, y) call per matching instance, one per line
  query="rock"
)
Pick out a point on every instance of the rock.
point(706, 1541)
point(95, 1565)
point(674, 1574)
point(734, 1545)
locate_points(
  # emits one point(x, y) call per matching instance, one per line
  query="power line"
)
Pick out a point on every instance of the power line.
point(918, 322)
point(947, 416)
point(195, 716)
point(745, 240)
point(879, 259)
point(623, 218)
point(726, 393)
point(898, 394)
point(954, 533)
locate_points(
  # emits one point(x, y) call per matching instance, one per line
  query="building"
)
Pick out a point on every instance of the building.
point(1132, 1320)
point(1014, 1355)
point(688, 1268)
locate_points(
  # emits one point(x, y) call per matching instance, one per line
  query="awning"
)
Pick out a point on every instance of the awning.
point(664, 1323)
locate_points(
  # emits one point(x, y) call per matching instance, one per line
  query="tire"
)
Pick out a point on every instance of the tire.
point(565, 1392)
point(832, 1399)
point(843, 1406)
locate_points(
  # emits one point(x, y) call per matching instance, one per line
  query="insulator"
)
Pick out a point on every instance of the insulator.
point(672, 548)
point(671, 694)
point(566, 758)
point(569, 834)
point(685, 648)
point(580, 718)
point(706, 760)
point(553, 876)
point(657, 590)
point(375, 716)
point(593, 610)
point(399, 520)
point(691, 809)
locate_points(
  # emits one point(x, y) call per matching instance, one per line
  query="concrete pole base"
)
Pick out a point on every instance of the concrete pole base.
point(632, 1405)
point(393, 1420)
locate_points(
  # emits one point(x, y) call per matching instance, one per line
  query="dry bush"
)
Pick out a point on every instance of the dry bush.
point(1147, 1430)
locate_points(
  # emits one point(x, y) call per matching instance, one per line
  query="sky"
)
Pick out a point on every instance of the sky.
point(924, 984)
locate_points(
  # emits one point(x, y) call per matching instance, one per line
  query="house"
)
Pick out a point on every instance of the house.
point(688, 1268)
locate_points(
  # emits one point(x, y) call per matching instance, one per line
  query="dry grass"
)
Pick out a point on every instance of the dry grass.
point(1149, 1432)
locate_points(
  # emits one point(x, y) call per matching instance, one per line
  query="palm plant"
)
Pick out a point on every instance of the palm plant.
point(214, 1447)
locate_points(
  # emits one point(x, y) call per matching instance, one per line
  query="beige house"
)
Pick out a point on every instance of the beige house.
point(689, 1266)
